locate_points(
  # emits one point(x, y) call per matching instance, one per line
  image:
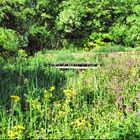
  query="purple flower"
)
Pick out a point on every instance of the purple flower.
point(119, 100)
point(130, 62)
point(129, 109)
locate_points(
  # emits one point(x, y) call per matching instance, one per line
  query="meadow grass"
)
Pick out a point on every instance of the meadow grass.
point(40, 102)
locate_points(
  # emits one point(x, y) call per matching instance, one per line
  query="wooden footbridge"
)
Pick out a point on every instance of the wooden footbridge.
point(73, 65)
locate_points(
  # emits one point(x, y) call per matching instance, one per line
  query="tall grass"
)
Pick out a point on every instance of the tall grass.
point(40, 103)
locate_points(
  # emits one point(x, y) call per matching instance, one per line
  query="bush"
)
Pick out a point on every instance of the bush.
point(8, 40)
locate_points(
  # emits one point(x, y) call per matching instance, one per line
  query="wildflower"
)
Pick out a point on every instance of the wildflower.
point(117, 87)
point(36, 104)
point(61, 113)
point(133, 72)
point(69, 93)
point(130, 62)
point(15, 98)
point(12, 134)
point(46, 24)
point(52, 88)
point(47, 94)
point(129, 109)
point(19, 127)
point(80, 122)
point(119, 99)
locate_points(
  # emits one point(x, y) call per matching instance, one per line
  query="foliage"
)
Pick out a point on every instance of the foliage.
point(8, 40)
point(46, 24)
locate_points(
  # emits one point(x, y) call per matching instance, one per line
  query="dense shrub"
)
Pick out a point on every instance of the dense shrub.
point(8, 40)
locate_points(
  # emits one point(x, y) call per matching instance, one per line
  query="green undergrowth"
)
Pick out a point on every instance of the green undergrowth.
point(40, 102)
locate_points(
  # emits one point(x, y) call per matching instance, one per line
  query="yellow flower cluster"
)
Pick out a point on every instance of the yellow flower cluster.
point(36, 104)
point(133, 72)
point(61, 113)
point(52, 88)
point(12, 134)
point(92, 44)
point(80, 122)
point(47, 95)
point(16, 131)
point(18, 127)
point(69, 93)
point(15, 98)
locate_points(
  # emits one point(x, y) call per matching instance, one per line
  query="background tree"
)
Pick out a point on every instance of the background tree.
point(37, 24)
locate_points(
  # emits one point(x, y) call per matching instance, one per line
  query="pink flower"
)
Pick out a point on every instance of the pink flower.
point(119, 100)
point(129, 109)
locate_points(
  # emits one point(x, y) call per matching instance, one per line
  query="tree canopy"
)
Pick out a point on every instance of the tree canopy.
point(36, 24)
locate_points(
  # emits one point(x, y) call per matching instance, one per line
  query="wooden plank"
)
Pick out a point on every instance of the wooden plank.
point(74, 68)
point(80, 64)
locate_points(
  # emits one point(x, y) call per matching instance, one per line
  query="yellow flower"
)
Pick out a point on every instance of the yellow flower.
point(61, 113)
point(12, 134)
point(133, 72)
point(47, 94)
point(15, 98)
point(36, 104)
point(19, 127)
point(80, 122)
point(69, 93)
point(52, 88)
